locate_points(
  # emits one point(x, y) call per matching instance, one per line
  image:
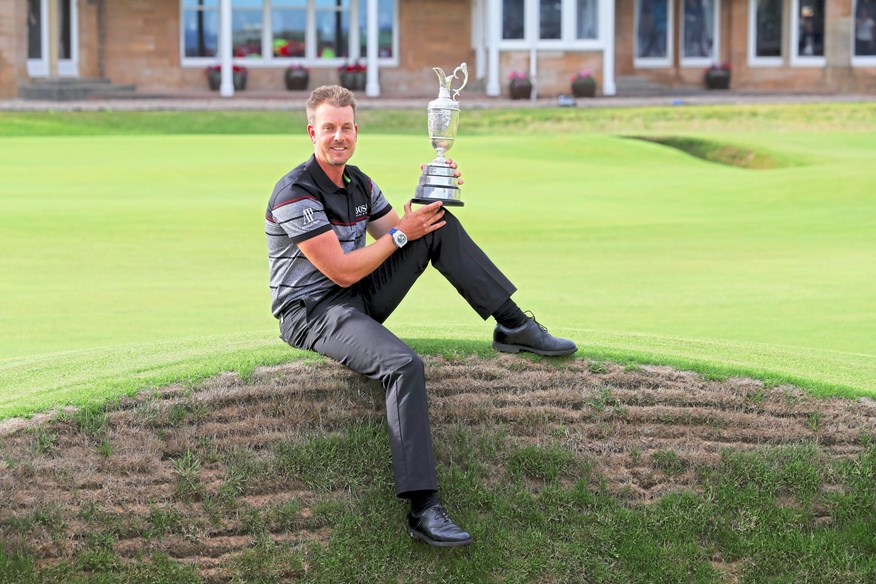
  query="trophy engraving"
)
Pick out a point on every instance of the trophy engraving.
point(437, 182)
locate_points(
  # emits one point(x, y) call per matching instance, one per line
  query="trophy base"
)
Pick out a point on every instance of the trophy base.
point(446, 202)
point(437, 183)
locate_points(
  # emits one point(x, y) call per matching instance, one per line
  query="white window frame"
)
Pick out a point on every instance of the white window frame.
point(568, 40)
point(716, 41)
point(753, 59)
point(654, 62)
point(803, 60)
point(310, 59)
point(864, 60)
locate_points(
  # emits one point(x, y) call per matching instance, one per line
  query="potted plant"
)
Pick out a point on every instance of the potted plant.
point(296, 77)
point(238, 77)
point(717, 76)
point(584, 84)
point(519, 85)
point(352, 76)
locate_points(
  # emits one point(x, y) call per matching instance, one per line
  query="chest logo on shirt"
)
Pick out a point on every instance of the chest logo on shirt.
point(307, 217)
point(361, 210)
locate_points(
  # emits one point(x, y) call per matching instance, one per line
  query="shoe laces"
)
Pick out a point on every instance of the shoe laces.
point(532, 316)
point(440, 513)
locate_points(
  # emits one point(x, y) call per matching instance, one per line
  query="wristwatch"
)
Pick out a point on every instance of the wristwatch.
point(398, 237)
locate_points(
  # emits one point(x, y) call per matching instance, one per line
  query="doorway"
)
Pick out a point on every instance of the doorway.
point(38, 40)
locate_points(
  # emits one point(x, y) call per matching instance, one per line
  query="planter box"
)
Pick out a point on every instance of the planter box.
point(520, 90)
point(717, 80)
point(352, 80)
point(583, 88)
point(214, 80)
point(296, 79)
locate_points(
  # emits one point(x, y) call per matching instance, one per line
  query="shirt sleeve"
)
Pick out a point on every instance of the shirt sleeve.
point(379, 205)
point(299, 214)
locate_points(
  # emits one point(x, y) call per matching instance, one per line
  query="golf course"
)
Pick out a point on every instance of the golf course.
point(727, 250)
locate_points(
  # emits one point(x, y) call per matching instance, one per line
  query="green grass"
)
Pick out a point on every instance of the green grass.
point(132, 254)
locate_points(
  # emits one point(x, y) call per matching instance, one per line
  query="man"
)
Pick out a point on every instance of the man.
point(331, 291)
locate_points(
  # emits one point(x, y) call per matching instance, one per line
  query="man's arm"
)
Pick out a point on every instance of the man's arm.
point(345, 269)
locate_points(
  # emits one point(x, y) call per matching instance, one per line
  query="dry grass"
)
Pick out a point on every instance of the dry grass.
point(194, 473)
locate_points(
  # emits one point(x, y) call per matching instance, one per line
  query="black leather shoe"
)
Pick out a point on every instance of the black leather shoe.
point(533, 337)
point(435, 527)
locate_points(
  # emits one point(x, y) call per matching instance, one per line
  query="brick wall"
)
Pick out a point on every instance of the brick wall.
point(13, 46)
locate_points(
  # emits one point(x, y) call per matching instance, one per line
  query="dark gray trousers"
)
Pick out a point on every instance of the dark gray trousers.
point(346, 325)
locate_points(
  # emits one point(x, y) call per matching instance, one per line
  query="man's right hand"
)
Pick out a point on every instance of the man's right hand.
point(424, 220)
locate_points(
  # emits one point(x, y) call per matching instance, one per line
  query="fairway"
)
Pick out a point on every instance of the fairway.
point(132, 260)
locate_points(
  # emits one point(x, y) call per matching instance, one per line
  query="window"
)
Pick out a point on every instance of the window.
point(307, 30)
point(200, 22)
point(698, 31)
point(385, 28)
point(289, 28)
point(513, 19)
point(587, 21)
point(768, 29)
point(550, 19)
point(652, 32)
point(246, 28)
point(865, 28)
point(550, 23)
point(808, 41)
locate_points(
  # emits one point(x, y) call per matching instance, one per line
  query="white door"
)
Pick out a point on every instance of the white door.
point(67, 43)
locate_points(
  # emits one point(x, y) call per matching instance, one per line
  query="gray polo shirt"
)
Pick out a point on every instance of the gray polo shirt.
point(306, 203)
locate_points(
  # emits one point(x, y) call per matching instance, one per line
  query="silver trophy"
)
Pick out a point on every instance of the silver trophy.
point(437, 182)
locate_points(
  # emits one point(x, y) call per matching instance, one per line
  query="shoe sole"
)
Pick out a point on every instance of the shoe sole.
point(419, 536)
point(503, 348)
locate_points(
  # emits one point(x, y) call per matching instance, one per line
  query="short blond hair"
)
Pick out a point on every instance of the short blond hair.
point(331, 94)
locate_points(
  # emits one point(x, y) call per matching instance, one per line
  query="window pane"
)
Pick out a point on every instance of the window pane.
point(653, 27)
point(332, 34)
point(865, 28)
point(699, 25)
point(201, 30)
point(588, 19)
point(551, 21)
point(810, 28)
point(246, 32)
point(34, 29)
point(385, 23)
point(512, 19)
point(338, 4)
point(768, 33)
point(289, 29)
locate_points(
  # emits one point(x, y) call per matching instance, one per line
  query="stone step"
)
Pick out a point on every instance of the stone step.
point(74, 89)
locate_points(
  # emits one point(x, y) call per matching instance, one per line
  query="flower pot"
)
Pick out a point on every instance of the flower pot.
point(214, 80)
point(584, 88)
point(296, 79)
point(717, 79)
point(352, 80)
point(520, 90)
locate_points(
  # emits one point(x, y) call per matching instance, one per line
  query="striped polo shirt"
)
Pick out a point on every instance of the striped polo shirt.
point(306, 203)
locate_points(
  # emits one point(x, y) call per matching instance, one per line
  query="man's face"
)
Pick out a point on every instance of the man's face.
point(333, 133)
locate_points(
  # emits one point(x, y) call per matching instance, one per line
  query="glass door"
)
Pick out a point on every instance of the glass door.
point(66, 43)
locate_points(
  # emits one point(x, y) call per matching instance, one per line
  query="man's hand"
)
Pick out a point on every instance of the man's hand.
point(452, 165)
point(426, 219)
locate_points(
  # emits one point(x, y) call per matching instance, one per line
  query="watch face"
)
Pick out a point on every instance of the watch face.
point(400, 238)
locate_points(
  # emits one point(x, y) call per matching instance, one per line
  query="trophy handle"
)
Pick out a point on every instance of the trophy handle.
point(464, 70)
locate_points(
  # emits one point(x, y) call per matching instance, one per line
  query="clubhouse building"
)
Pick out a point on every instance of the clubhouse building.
point(163, 47)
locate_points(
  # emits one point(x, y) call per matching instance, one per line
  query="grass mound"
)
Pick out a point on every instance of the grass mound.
point(562, 470)
point(721, 152)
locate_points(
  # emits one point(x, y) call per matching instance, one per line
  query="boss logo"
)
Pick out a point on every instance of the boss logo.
point(361, 210)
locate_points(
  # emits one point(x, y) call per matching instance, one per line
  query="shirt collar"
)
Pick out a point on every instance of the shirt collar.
point(322, 181)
